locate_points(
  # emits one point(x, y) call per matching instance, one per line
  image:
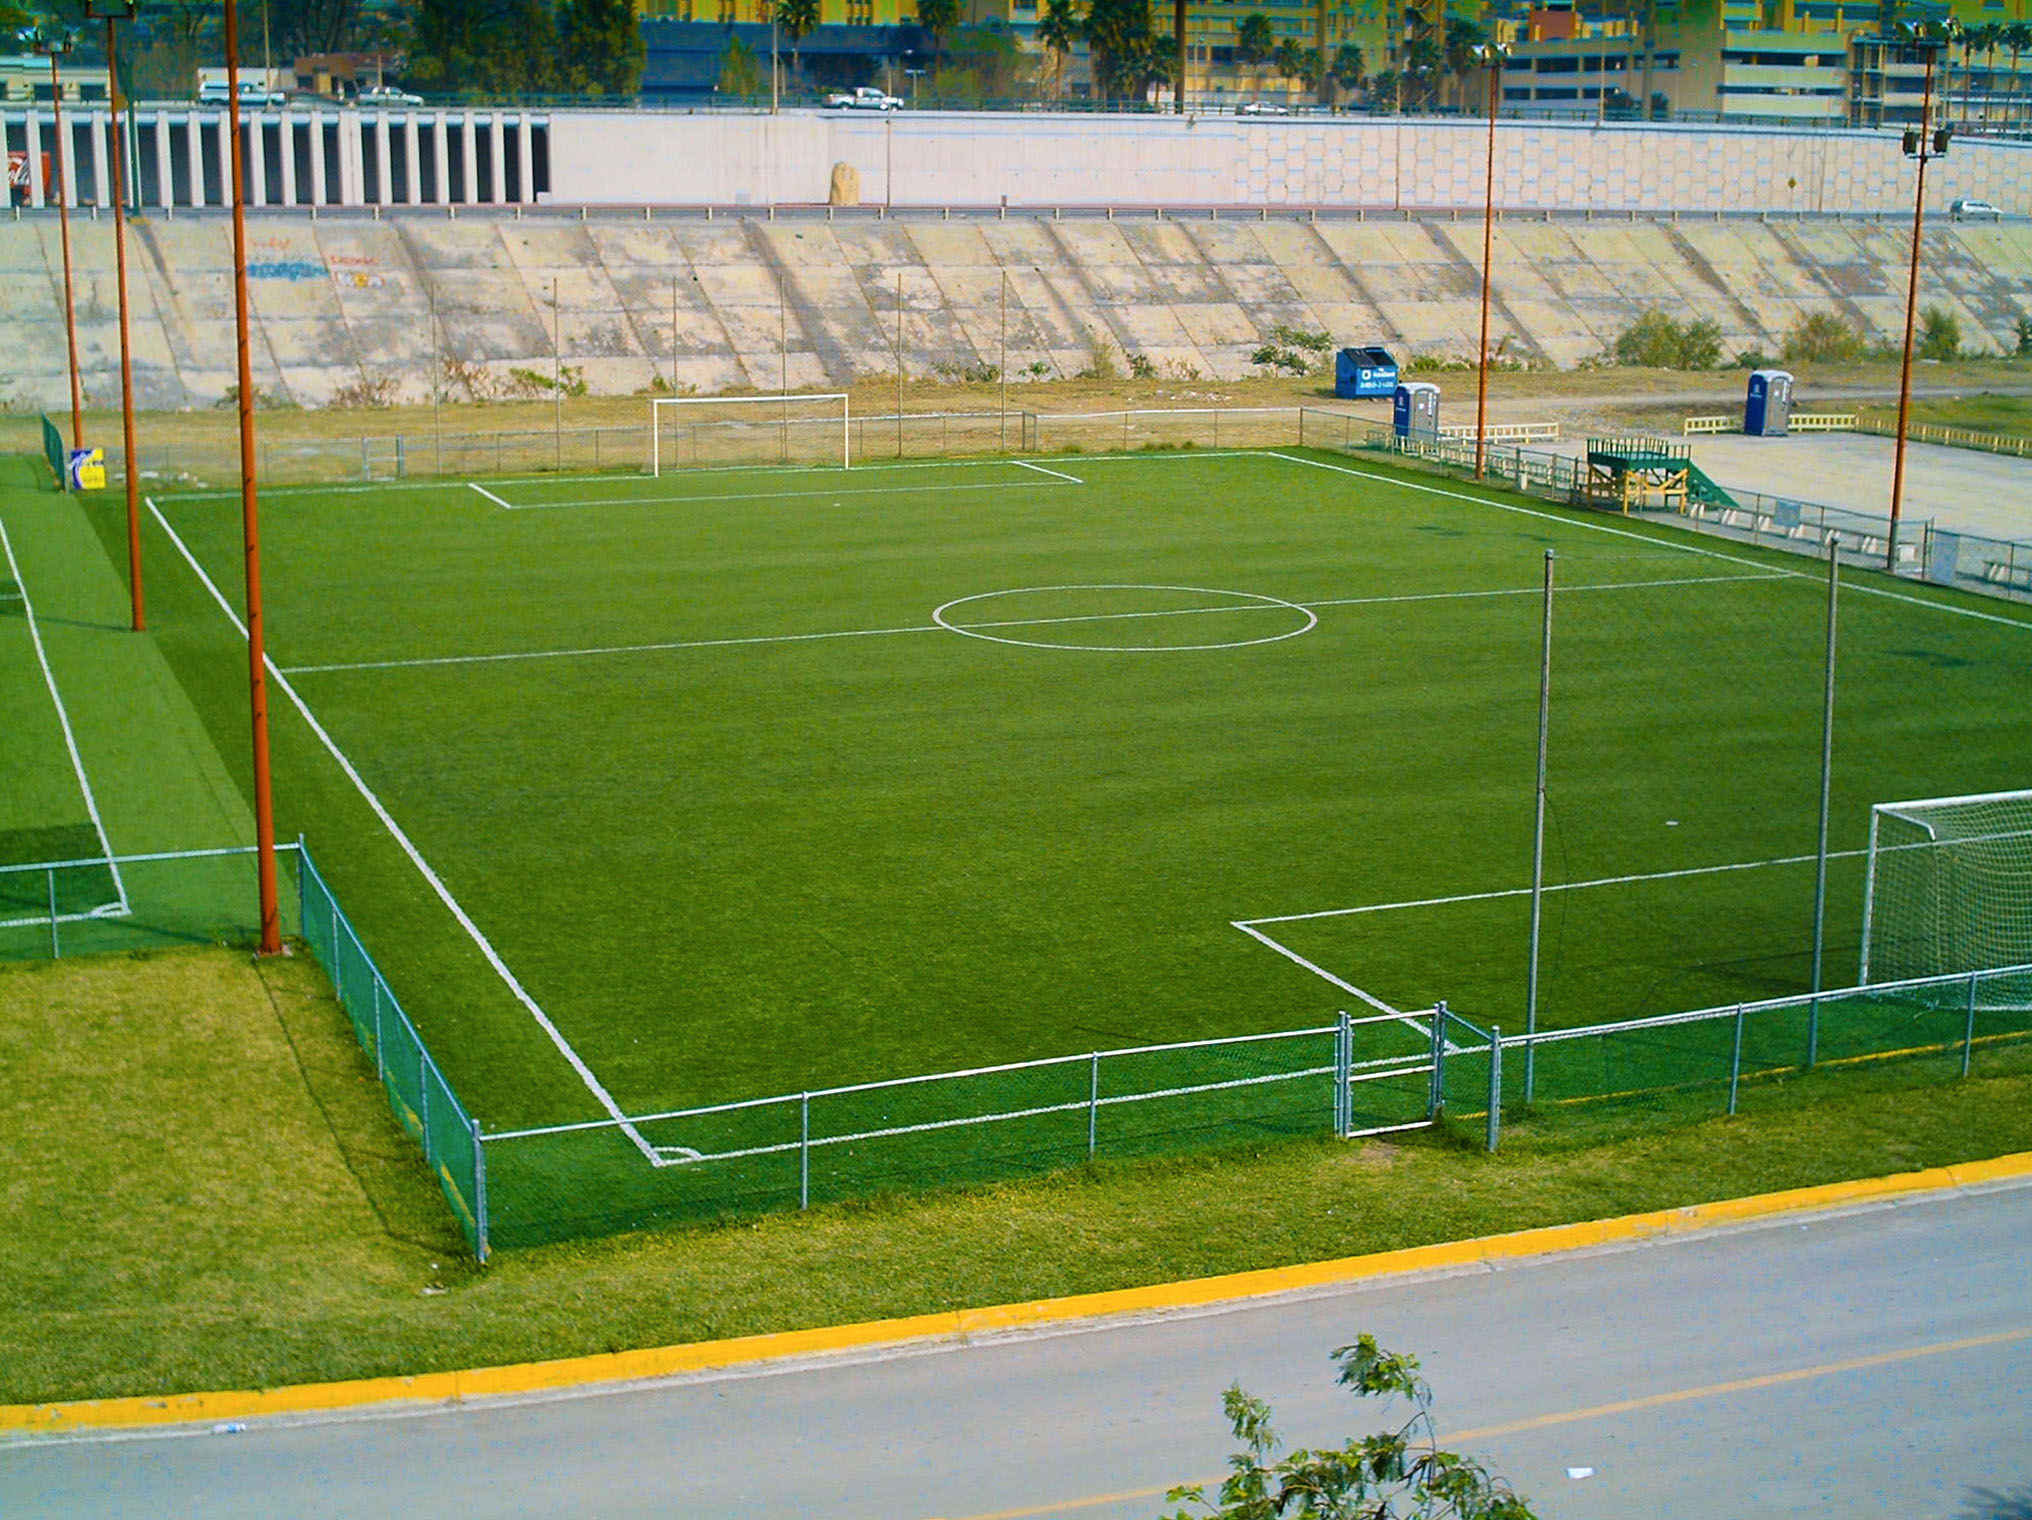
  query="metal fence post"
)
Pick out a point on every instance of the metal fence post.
point(1094, 1105)
point(804, 1150)
point(1344, 1060)
point(1437, 1100)
point(1736, 1060)
point(380, 1066)
point(479, 1193)
point(423, 1097)
point(55, 943)
point(1495, 1086)
point(1968, 1034)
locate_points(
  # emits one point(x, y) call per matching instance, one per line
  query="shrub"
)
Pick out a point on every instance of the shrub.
point(1657, 340)
point(1824, 337)
point(1939, 334)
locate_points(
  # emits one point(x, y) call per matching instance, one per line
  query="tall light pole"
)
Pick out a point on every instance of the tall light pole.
point(54, 42)
point(1490, 56)
point(113, 12)
point(250, 520)
point(1922, 145)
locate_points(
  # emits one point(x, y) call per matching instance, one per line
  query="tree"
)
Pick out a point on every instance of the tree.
point(1058, 31)
point(1458, 47)
point(601, 46)
point(1386, 88)
point(937, 17)
point(1348, 67)
point(1397, 1474)
point(316, 26)
point(2017, 36)
point(1289, 60)
point(484, 47)
point(1939, 334)
point(1255, 43)
point(740, 75)
point(799, 19)
point(1119, 34)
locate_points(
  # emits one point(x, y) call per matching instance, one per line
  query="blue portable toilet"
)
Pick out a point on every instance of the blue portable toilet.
point(1415, 411)
point(1360, 372)
point(1767, 410)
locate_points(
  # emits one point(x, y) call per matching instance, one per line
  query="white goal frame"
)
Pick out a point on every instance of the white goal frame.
point(1913, 812)
point(657, 403)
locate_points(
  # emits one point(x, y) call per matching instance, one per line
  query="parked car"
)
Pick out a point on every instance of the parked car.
point(214, 92)
point(386, 95)
point(866, 98)
point(1262, 108)
point(1975, 211)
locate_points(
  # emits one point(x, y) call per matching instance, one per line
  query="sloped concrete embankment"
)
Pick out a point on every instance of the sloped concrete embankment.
point(360, 310)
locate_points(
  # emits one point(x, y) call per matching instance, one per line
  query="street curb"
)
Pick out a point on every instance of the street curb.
point(958, 1325)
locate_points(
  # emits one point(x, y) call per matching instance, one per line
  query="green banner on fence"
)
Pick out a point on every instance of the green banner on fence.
point(55, 451)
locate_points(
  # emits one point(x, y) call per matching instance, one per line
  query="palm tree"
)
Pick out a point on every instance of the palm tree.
point(2017, 37)
point(1289, 60)
point(1461, 39)
point(1387, 86)
point(1422, 60)
point(798, 18)
point(1058, 31)
point(1254, 43)
point(937, 17)
point(1348, 66)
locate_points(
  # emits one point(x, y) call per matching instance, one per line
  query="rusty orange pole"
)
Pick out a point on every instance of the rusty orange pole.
point(1493, 61)
point(130, 465)
point(250, 516)
point(56, 45)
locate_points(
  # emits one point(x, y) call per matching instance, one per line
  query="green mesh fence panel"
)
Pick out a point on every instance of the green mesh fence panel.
point(136, 902)
point(422, 1100)
point(55, 451)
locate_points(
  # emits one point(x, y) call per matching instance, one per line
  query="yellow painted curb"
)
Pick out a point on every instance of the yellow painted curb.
point(747, 1350)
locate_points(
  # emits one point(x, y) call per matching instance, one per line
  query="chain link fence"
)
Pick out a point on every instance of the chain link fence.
point(115, 904)
point(1965, 561)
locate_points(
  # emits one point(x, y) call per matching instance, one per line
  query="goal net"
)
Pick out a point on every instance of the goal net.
point(1950, 890)
point(718, 432)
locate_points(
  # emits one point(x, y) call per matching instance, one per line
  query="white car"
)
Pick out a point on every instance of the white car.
point(386, 95)
point(866, 98)
point(215, 92)
point(1975, 211)
point(1262, 108)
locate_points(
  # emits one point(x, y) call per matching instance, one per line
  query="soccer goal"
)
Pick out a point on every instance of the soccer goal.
point(1949, 888)
point(716, 432)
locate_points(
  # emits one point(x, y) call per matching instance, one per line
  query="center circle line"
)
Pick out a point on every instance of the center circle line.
point(1254, 601)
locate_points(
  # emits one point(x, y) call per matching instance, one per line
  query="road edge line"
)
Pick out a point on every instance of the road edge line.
point(620, 1367)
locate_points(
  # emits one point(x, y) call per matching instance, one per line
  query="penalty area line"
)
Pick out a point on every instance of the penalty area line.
point(497, 501)
point(1024, 464)
point(408, 847)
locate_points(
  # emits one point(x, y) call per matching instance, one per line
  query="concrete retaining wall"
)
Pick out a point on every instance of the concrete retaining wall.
point(344, 308)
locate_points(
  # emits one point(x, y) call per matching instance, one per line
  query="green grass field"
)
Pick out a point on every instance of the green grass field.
point(762, 781)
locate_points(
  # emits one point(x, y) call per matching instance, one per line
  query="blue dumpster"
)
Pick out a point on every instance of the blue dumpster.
point(1362, 372)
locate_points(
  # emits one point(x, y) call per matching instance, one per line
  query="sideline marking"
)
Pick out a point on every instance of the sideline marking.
point(1667, 542)
point(497, 501)
point(1591, 1412)
point(486, 948)
point(1024, 464)
point(425, 661)
point(956, 1327)
point(63, 719)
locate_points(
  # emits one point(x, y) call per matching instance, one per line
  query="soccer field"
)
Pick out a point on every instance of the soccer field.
point(757, 781)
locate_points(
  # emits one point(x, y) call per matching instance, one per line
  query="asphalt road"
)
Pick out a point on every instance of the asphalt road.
point(1875, 1363)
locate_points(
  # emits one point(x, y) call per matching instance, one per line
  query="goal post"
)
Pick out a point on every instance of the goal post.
point(1948, 887)
point(721, 432)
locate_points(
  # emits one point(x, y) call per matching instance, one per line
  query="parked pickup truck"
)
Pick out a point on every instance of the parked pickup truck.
point(866, 98)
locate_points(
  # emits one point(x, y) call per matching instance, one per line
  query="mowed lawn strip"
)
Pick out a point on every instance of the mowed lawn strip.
point(207, 1191)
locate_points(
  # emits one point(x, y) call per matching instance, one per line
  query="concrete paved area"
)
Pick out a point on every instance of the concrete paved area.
point(1871, 1363)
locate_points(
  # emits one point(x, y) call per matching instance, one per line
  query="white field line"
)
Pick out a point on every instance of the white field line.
point(63, 717)
point(553, 477)
point(486, 948)
point(1664, 542)
point(1249, 928)
point(709, 498)
point(1024, 464)
point(497, 501)
point(426, 661)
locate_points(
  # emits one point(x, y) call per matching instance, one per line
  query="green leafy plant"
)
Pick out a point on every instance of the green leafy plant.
point(1400, 1473)
point(1939, 334)
point(1141, 367)
point(1657, 340)
point(1823, 337)
point(2024, 334)
point(1293, 349)
point(570, 380)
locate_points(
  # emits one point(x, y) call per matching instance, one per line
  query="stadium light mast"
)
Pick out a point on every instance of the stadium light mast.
point(113, 12)
point(1490, 57)
point(54, 42)
point(250, 517)
point(1922, 145)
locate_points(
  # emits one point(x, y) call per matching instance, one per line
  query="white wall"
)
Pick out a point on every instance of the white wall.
point(934, 158)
